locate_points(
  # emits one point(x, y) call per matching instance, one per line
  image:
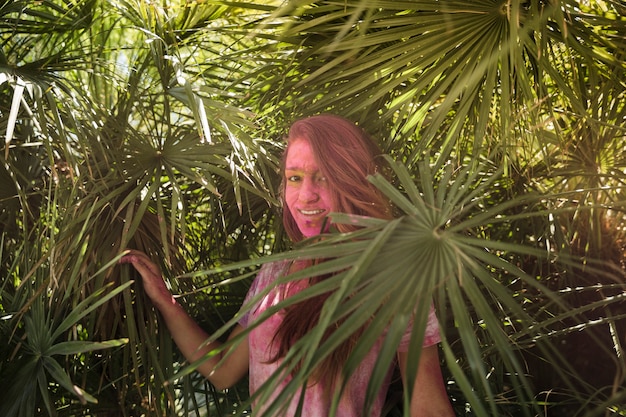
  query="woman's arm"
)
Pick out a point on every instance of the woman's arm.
point(429, 398)
point(188, 336)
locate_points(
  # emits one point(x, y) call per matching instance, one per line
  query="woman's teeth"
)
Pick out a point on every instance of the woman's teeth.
point(311, 212)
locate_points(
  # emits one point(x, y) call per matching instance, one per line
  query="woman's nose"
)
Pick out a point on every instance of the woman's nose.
point(308, 191)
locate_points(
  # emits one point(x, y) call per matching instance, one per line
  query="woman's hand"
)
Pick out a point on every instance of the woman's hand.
point(151, 276)
point(189, 337)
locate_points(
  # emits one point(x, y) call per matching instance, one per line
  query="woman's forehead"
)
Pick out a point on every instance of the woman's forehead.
point(300, 156)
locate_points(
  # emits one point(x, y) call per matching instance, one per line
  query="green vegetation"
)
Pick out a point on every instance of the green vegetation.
point(157, 125)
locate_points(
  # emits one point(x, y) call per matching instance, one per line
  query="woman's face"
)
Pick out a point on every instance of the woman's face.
point(306, 190)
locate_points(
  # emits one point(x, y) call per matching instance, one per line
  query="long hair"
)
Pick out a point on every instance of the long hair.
point(345, 155)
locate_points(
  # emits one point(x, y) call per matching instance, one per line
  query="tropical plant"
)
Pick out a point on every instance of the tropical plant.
point(157, 126)
point(102, 153)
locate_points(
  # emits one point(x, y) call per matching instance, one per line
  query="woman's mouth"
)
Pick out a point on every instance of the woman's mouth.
point(311, 212)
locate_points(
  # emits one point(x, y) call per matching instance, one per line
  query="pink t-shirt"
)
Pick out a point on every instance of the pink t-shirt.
point(315, 403)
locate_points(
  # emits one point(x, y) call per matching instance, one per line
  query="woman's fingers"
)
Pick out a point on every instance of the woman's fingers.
point(143, 264)
point(153, 283)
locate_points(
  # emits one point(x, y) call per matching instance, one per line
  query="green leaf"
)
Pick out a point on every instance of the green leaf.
point(75, 347)
point(60, 376)
point(88, 305)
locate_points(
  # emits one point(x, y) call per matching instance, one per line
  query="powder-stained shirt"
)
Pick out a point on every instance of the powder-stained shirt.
point(315, 403)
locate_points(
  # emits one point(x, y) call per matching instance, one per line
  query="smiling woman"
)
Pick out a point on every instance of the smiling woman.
point(329, 155)
point(325, 169)
point(307, 195)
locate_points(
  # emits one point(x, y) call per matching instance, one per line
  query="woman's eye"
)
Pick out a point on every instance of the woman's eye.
point(293, 178)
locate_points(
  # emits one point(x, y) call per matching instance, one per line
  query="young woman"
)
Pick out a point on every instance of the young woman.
point(325, 169)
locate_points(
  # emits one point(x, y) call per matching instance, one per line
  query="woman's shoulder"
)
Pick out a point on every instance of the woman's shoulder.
point(275, 266)
point(269, 272)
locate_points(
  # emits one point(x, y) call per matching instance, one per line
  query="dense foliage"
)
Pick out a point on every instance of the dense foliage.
point(158, 126)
